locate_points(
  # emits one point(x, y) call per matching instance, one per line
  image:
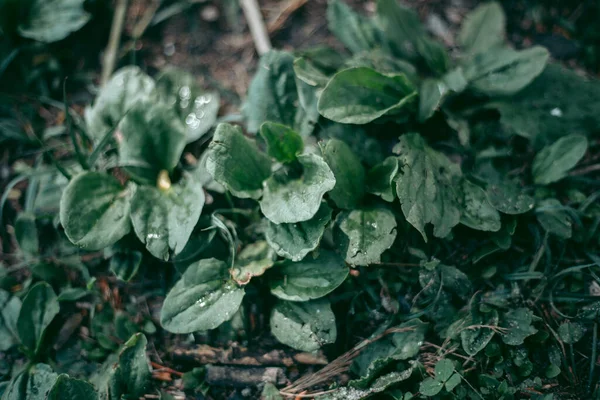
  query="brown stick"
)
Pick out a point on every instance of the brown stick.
point(110, 55)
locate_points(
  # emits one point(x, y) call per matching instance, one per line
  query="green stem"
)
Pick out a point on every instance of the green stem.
point(80, 156)
point(593, 359)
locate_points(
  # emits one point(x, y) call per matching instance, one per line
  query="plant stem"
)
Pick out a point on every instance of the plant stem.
point(110, 56)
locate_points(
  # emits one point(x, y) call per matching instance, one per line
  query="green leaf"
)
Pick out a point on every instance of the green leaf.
point(288, 199)
point(444, 370)
point(235, 162)
point(553, 162)
point(348, 171)
point(308, 279)
point(253, 260)
point(504, 71)
point(202, 299)
point(361, 95)
point(270, 392)
point(475, 333)
point(39, 308)
point(94, 210)
point(26, 233)
point(295, 241)
point(283, 143)
point(309, 73)
point(483, 28)
point(67, 388)
point(430, 387)
point(571, 332)
point(53, 20)
point(10, 307)
point(542, 113)
point(384, 382)
point(153, 140)
point(477, 212)
point(32, 384)
point(304, 326)
point(125, 88)
point(272, 94)
point(369, 234)
point(553, 217)
point(356, 32)
point(507, 198)
point(431, 94)
point(125, 375)
point(196, 108)
point(125, 264)
point(518, 323)
point(452, 382)
point(380, 179)
point(426, 186)
point(164, 220)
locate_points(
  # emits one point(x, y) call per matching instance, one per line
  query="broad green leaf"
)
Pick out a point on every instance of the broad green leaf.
point(443, 370)
point(295, 241)
point(235, 162)
point(308, 279)
point(348, 171)
point(504, 71)
point(382, 61)
point(283, 143)
point(356, 32)
point(304, 326)
point(33, 384)
point(431, 94)
point(196, 108)
point(368, 233)
point(553, 217)
point(165, 219)
point(94, 210)
point(434, 54)
point(509, 199)
point(39, 308)
point(308, 72)
point(272, 94)
point(202, 299)
point(367, 148)
point(26, 233)
point(475, 329)
point(127, 374)
point(483, 28)
point(571, 332)
point(253, 260)
point(430, 387)
point(361, 95)
point(125, 88)
point(153, 140)
point(53, 20)
point(380, 179)
point(67, 388)
point(553, 162)
point(426, 186)
point(287, 199)
point(518, 324)
point(452, 382)
point(542, 113)
point(384, 382)
point(10, 307)
point(477, 212)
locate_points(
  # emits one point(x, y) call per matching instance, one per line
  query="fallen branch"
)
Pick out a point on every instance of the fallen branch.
point(110, 55)
point(257, 26)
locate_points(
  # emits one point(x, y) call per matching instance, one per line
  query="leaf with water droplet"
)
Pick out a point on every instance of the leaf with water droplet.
point(195, 107)
point(518, 325)
point(288, 199)
point(348, 171)
point(164, 220)
point(295, 241)
point(305, 326)
point(367, 234)
point(477, 329)
point(571, 332)
point(308, 279)
point(253, 260)
point(477, 212)
point(508, 198)
point(202, 299)
point(554, 161)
